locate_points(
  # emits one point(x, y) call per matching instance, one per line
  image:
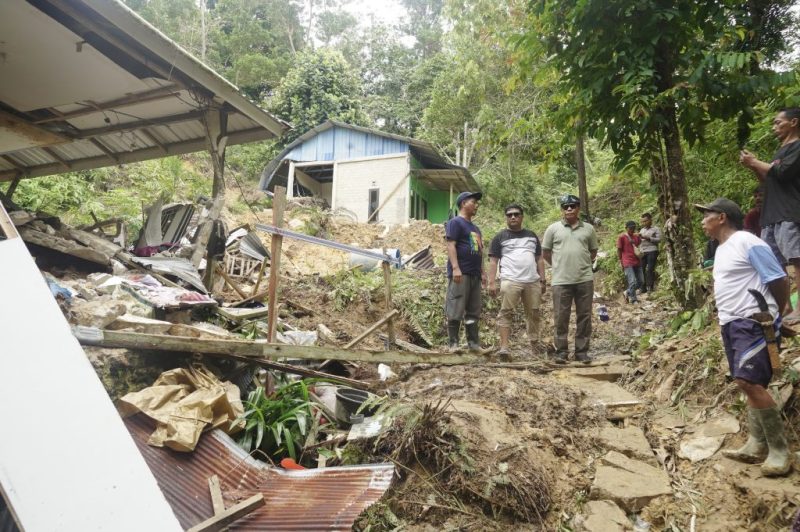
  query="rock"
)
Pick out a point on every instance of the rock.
point(706, 439)
point(98, 312)
point(140, 325)
point(629, 441)
point(295, 224)
point(604, 516)
point(664, 391)
point(631, 484)
point(617, 401)
point(600, 373)
point(700, 447)
point(19, 218)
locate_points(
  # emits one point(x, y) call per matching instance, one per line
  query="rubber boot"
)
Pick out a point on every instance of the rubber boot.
point(755, 449)
point(778, 460)
point(504, 333)
point(473, 342)
point(453, 331)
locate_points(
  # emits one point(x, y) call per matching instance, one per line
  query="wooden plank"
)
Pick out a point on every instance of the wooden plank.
point(387, 283)
point(235, 512)
point(63, 245)
point(260, 350)
point(6, 225)
point(216, 494)
point(278, 206)
point(230, 282)
point(372, 329)
point(406, 346)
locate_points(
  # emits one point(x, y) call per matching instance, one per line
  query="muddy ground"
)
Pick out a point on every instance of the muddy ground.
point(517, 447)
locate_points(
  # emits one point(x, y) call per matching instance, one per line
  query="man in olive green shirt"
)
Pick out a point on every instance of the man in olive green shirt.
point(570, 246)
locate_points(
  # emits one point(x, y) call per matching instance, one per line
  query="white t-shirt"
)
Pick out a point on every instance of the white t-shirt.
point(744, 261)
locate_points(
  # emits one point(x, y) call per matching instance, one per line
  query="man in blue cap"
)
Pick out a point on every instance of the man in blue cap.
point(464, 272)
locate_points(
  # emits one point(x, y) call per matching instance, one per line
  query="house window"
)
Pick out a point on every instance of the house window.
point(374, 202)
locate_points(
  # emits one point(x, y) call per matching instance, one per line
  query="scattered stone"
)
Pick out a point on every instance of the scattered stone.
point(19, 218)
point(97, 313)
point(139, 324)
point(664, 391)
point(631, 484)
point(706, 439)
point(601, 373)
point(604, 516)
point(617, 401)
point(629, 441)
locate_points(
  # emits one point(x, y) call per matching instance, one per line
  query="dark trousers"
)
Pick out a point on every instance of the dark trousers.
point(463, 302)
point(649, 269)
point(563, 296)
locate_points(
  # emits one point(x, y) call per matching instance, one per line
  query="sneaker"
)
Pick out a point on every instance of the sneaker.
point(560, 358)
point(582, 357)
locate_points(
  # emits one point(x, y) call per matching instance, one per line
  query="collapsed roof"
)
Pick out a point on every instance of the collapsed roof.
point(106, 88)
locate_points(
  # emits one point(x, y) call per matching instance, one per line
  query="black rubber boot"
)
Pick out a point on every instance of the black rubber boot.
point(453, 331)
point(473, 342)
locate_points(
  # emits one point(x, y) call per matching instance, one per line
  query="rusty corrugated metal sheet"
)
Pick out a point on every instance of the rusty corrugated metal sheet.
point(312, 499)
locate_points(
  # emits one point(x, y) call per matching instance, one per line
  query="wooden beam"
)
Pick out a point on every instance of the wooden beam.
point(139, 124)
point(103, 148)
point(377, 325)
point(153, 152)
point(151, 136)
point(57, 157)
point(278, 206)
point(12, 162)
point(12, 187)
point(387, 283)
point(256, 350)
point(216, 494)
point(235, 512)
point(387, 198)
point(159, 93)
point(407, 346)
point(229, 281)
point(92, 336)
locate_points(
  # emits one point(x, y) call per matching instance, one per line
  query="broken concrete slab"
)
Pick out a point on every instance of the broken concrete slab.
point(604, 516)
point(62, 245)
point(99, 312)
point(631, 484)
point(629, 441)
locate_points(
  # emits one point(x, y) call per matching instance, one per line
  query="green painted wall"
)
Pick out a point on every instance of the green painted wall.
point(437, 200)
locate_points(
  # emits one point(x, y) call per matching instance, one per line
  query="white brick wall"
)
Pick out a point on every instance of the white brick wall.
point(353, 180)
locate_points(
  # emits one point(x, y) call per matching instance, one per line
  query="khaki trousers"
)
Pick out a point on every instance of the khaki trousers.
point(511, 293)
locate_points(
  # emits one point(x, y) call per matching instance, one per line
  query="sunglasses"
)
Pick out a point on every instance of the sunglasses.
point(513, 214)
point(570, 206)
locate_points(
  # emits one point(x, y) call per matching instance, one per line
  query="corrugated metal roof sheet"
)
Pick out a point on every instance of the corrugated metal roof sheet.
point(312, 499)
point(93, 96)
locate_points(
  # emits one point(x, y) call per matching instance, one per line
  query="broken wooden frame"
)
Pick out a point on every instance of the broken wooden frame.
point(278, 233)
point(256, 350)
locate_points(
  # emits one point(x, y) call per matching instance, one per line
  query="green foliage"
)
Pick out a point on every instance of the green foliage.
point(249, 160)
point(279, 423)
point(349, 285)
point(320, 86)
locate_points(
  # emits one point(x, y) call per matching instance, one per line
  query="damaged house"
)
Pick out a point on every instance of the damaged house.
point(87, 84)
point(369, 175)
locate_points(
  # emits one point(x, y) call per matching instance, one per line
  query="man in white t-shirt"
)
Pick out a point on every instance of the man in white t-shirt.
point(743, 262)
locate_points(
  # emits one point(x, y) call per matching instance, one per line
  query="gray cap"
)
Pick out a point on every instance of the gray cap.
point(726, 207)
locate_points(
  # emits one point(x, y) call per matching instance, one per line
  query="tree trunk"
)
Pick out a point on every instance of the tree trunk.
point(676, 211)
point(583, 191)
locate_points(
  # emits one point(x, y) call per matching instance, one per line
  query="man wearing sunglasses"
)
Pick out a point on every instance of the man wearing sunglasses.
point(518, 253)
point(570, 247)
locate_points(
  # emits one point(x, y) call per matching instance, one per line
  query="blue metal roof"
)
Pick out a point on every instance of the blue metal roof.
point(339, 141)
point(339, 144)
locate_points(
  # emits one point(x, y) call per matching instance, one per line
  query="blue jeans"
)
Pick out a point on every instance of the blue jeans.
point(633, 274)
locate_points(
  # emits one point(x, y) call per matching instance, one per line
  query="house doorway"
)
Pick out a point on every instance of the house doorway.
point(374, 203)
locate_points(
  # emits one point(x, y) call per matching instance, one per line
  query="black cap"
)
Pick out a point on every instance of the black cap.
point(630, 223)
point(726, 207)
point(569, 199)
point(464, 195)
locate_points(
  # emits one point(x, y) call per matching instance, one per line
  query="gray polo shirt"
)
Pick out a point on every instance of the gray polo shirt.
point(572, 251)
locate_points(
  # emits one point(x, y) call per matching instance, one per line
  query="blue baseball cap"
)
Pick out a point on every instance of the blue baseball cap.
point(465, 195)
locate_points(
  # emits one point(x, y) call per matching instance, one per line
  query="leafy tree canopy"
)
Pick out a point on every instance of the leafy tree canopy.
point(320, 86)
